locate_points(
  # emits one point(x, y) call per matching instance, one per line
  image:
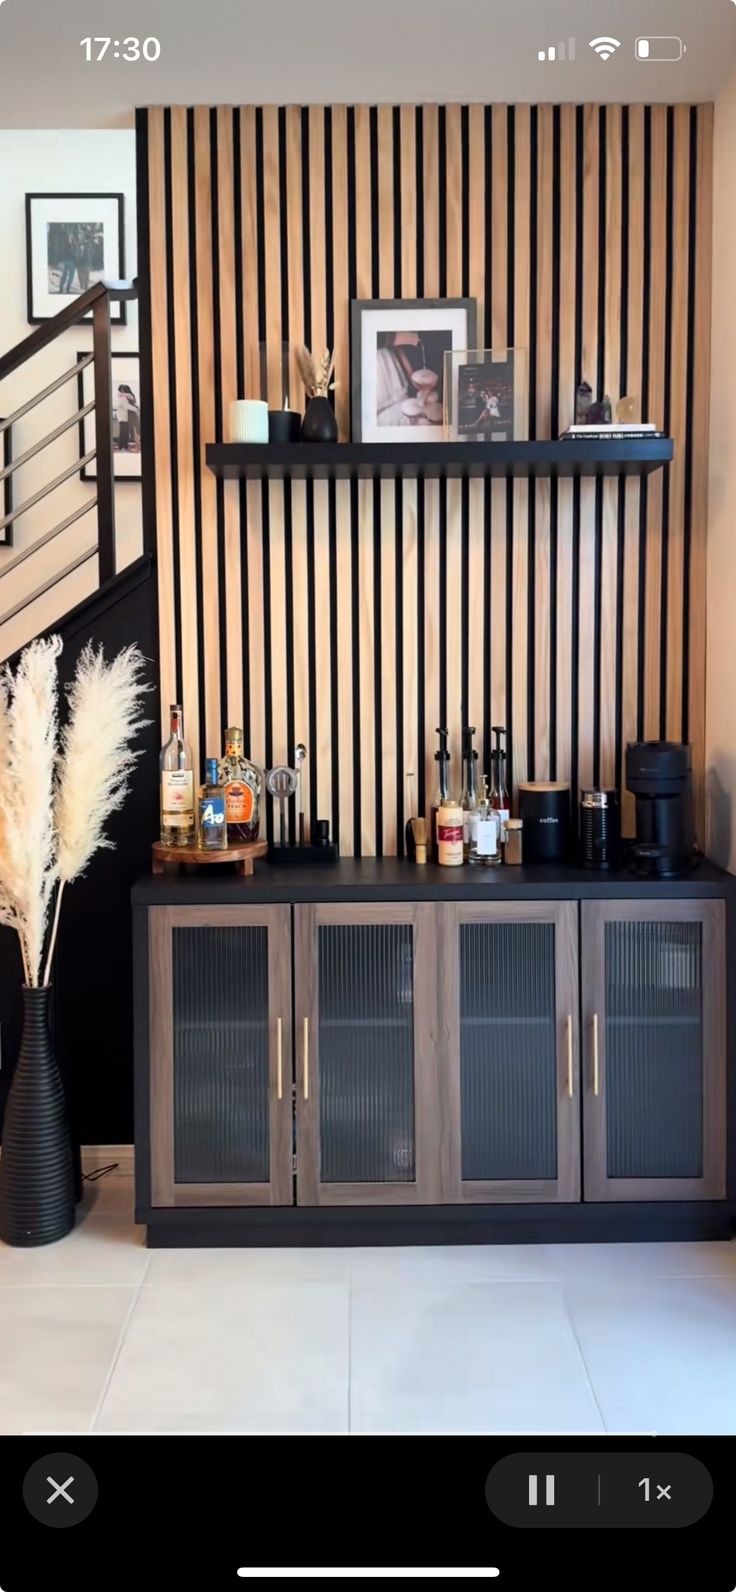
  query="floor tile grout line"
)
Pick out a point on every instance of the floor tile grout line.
point(119, 1347)
point(583, 1361)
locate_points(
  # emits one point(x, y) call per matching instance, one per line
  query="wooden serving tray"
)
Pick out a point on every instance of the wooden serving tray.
point(243, 856)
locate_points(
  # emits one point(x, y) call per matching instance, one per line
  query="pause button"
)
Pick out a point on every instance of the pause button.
point(549, 1491)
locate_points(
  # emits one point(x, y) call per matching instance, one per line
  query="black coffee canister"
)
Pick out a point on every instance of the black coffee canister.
point(544, 808)
point(600, 829)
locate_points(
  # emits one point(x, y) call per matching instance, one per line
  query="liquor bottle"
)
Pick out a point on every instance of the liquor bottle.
point(211, 824)
point(470, 789)
point(499, 795)
point(442, 793)
point(485, 850)
point(177, 784)
point(243, 783)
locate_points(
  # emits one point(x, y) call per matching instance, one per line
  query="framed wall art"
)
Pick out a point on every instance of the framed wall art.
point(125, 400)
point(486, 395)
point(73, 240)
point(398, 365)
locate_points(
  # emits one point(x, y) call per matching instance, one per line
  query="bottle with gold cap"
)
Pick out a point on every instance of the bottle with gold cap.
point(242, 782)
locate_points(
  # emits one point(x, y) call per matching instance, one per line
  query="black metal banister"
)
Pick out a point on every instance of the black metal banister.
point(43, 491)
point(43, 541)
point(71, 315)
point(45, 442)
point(32, 403)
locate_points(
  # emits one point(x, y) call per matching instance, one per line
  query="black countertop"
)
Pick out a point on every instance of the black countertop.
point(396, 879)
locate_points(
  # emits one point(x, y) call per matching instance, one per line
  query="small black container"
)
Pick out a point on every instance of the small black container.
point(600, 829)
point(544, 808)
point(284, 425)
point(36, 1168)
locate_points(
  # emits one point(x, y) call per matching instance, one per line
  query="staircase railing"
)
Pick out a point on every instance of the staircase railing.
point(97, 300)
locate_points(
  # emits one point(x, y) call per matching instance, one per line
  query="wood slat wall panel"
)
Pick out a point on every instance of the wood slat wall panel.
point(355, 619)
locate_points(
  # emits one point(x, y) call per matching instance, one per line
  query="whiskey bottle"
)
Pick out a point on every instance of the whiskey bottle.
point(211, 826)
point(242, 782)
point(177, 784)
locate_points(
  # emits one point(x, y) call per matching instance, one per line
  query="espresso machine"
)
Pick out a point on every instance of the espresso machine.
point(659, 774)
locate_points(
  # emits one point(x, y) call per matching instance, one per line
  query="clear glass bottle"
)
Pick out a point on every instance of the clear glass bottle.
point(442, 793)
point(470, 790)
point(243, 784)
point(485, 849)
point(176, 784)
point(211, 823)
point(499, 798)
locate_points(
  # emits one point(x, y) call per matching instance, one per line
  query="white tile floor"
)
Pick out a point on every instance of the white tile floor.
point(98, 1334)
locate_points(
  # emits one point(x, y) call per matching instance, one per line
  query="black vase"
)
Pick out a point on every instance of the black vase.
point(319, 423)
point(36, 1168)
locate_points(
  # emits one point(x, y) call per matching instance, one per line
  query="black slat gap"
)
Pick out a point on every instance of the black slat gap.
point(334, 659)
point(377, 680)
point(196, 433)
point(356, 608)
point(465, 150)
point(312, 655)
point(601, 382)
point(555, 427)
point(488, 220)
point(329, 251)
point(465, 704)
point(401, 815)
point(487, 624)
point(442, 193)
point(511, 226)
point(419, 168)
point(267, 642)
point(217, 346)
point(396, 128)
point(284, 241)
point(289, 618)
point(645, 363)
point(261, 253)
point(375, 260)
point(421, 690)
point(442, 585)
point(306, 231)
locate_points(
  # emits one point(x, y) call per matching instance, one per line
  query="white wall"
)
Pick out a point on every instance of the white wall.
point(57, 162)
point(721, 610)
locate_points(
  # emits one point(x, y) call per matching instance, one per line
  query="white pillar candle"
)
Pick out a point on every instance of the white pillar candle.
point(248, 420)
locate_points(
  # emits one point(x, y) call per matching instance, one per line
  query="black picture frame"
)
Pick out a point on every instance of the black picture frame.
point(6, 498)
point(83, 396)
point(358, 308)
point(118, 308)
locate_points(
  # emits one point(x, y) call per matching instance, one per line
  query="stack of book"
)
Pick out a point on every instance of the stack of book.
point(636, 431)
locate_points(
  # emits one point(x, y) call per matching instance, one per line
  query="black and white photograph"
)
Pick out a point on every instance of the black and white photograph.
point(126, 418)
point(399, 349)
point(73, 241)
point(486, 395)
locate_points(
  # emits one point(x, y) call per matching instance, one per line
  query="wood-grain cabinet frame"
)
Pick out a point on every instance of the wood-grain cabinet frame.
point(711, 914)
point(565, 1187)
point(311, 1188)
point(165, 1190)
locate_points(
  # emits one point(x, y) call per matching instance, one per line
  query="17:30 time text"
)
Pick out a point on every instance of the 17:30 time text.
point(121, 49)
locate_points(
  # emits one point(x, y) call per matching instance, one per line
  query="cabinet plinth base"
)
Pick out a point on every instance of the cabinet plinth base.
point(309, 1227)
point(175, 857)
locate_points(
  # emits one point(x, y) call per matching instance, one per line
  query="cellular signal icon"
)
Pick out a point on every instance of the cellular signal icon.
point(605, 48)
point(561, 52)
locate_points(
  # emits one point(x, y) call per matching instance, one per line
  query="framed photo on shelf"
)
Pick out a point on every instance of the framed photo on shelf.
point(125, 401)
point(486, 395)
point(399, 348)
point(73, 240)
point(6, 487)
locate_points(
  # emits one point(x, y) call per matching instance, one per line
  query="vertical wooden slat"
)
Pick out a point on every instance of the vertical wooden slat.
point(633, 490)
point(250, 245)
point(701, 424)
point(301, 633)
point(341, 307)
point(430, 119)
point(431, 632)
point(453, 201)
point(609, 558)
point(229, 380)
point(161, 412)
point(385, 117)
point(454, 642)
point(367, 689)
point(389, 703)
point(586, 675)
point(317, 273)
point(272, 245)
point(185, 441)
point(206, 373)
point(408, 202)
point(568, 213)
point(296, 246)
point(344, 621)
point(256, 639)
point(477, 213)
point(658, 267)
point(412, 750)
point(543, 595)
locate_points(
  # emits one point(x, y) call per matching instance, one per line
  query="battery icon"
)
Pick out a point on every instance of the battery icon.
point(662, 47)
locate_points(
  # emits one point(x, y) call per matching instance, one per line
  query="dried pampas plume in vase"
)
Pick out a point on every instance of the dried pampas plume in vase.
point(316, 378)
point(56, 794)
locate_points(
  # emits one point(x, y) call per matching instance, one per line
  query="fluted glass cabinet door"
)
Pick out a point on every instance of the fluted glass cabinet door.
point(509, 1050)
point(221, 1055)
point(365, 1053)
point(654, 1012)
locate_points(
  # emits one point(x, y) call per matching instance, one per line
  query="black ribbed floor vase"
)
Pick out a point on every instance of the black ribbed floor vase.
point(36, 1169)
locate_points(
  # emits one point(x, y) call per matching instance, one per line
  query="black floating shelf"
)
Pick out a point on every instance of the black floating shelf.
point(299, 461)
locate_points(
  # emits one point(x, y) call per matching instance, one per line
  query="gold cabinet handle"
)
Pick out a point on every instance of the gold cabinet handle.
point(305, 1057)
point(279, 1059)
point(569, 1056)
point(596, 1067)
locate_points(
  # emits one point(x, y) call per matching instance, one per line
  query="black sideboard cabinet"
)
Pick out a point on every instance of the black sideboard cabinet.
point(392, 1054)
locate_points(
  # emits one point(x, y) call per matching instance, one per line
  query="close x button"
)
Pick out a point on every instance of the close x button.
point(60, 1490)
point(606, 1490)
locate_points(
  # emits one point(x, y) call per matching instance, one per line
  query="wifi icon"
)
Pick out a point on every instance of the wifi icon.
point(605, 47)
